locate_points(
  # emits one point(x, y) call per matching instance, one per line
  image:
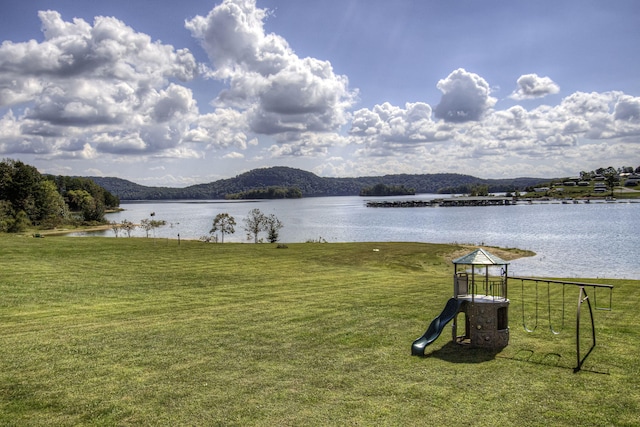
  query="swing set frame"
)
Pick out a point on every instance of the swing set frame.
point(582, 297)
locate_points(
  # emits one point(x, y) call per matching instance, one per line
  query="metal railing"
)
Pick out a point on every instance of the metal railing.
point(494, 287)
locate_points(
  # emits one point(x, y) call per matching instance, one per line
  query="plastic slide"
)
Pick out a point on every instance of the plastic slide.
point(436, 327)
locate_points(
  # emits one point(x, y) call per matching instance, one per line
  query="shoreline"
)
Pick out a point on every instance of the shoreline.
point(508, 254)
point(63, 231)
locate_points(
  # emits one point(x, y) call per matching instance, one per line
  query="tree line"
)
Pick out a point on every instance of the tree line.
point(267, 193)
point(265, 181)
point(31, 199)
point(387, 190)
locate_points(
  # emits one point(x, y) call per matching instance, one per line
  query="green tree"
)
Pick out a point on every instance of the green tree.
point(224, 223)
point(254, 224)
point(102, 199)
point(479, 190)
point(611, 177)
point(53, 210)
point(83, 202)
point(7, 216)
point(273, 226)
point(585, 176)
point(21, 223)
point(19, 184)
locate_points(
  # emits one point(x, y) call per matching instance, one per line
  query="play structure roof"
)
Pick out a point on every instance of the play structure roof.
point(480, 257)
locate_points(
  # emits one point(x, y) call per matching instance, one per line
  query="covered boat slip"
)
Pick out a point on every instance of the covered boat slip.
point(476, 201)
point(454, 201)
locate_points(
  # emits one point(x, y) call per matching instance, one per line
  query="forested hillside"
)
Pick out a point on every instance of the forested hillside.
point(310, 184)
point(30, 199)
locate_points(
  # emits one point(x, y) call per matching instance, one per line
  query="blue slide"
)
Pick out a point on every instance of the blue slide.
point(436, 327)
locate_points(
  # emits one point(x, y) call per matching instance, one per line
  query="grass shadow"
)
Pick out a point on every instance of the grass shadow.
point(551, 359)
point(458, 353)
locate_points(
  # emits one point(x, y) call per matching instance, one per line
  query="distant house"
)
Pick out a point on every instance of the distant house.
point(599, 187)
point(541, 189)
point(583, 183)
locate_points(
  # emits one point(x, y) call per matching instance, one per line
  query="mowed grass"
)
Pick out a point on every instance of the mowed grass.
point(97, 331)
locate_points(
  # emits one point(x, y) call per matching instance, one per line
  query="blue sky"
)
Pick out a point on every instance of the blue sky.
point(179, 93)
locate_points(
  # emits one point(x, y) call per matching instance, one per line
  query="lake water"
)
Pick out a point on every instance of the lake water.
point(598, 240)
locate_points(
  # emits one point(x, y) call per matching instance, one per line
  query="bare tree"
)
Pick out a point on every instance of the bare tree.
point(128, 227)
point(115, 227)
point(151, 224)
point(146, 226)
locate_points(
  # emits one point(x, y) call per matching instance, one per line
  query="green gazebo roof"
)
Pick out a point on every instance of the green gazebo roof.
point(480, 257)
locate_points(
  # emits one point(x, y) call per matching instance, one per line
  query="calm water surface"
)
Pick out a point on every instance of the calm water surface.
point(571, 240)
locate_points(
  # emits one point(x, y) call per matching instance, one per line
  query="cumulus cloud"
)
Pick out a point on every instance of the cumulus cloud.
point(534, 86)
point(95, 87)
point(308, 144)
point(555, 130)
point(465, 97)
point(233, 155)
point(388, 134)
point(627, 109)
point(278, 91)
point(225, 127)
point(387, 128)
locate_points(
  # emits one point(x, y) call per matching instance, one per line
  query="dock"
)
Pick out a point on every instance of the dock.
point(454, 201)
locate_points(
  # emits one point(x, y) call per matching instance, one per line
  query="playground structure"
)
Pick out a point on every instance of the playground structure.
point(480, 285)
point(482, 297)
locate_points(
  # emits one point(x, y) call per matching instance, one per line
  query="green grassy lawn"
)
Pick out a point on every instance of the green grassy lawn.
point(103, 331)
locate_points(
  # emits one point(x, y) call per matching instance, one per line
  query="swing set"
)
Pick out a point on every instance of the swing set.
point(582, 298)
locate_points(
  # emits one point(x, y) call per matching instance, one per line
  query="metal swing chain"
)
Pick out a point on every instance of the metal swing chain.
point(524, 323)
point(549, 309)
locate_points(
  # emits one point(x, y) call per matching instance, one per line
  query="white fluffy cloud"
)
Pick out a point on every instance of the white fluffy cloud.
point(534, 86)
point(522, 136)
point(223, 128)
point(465, 97)
point(580, 116)
point(387, 129)
point(94, 87)
point(279, 92)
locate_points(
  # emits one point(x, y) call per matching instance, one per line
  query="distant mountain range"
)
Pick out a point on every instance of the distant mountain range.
point(311, 185)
